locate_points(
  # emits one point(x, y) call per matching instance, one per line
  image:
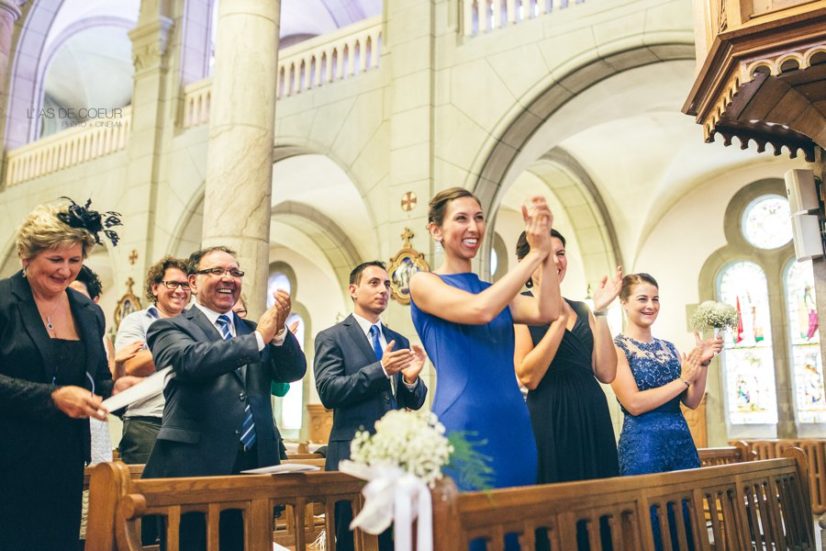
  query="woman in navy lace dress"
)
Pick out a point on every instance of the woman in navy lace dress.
point(651, 381)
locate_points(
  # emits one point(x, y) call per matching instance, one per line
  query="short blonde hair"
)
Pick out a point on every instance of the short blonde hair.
point(42, 230)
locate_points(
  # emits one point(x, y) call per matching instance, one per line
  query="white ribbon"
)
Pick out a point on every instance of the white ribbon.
point(393, 496)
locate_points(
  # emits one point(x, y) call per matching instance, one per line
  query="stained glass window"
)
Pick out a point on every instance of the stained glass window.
point(747, 360)
point(807, 368)
point(766, 222)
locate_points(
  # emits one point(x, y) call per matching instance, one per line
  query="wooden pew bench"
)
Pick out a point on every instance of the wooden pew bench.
point(725, 455)
point(119, 502)
point(754, 505)
point(815, 451)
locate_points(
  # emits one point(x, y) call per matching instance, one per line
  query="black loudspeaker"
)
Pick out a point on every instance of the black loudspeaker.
point(801, 191)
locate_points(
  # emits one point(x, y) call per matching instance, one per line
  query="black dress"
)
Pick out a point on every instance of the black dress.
point(569, 410)
point(47, 494)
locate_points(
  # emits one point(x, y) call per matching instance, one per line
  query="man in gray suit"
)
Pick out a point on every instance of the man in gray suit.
point(363, 370)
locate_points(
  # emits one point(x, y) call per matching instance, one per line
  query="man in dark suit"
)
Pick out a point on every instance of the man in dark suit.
point(218, 417)
point(363, 370)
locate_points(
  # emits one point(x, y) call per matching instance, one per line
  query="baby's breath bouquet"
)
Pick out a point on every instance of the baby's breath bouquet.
point(714, 315)
point(413, 441)
point(402, 461)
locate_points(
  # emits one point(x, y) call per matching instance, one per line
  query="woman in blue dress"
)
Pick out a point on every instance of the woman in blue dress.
point(466, 326)
point(652, 379)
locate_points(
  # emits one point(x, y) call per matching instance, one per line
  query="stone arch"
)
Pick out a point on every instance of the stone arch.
point(529, 114)
point(23, 85)
point(338, 249)
point(495, 166)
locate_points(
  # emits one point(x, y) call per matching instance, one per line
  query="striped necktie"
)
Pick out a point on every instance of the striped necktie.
point(248, 424)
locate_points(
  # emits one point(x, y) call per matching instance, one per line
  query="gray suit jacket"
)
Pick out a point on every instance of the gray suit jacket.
point(351, 382)
point(205, 400)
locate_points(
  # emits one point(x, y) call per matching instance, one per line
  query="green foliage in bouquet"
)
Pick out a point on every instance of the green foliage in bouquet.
point(470, 466)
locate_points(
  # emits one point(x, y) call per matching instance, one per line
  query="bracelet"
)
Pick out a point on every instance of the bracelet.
point(599, 313)
point(686, 383)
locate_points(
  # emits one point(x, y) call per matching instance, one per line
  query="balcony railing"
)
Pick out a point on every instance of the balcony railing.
point(90, 140)
point(481, 16)
point(330, 57)
point(309, 64)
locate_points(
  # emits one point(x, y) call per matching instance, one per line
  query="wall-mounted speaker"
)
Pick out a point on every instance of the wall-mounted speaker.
point(808, 242)
point(801, 191)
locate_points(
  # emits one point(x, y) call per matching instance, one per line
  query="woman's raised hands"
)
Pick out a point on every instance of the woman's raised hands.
point(538, 222)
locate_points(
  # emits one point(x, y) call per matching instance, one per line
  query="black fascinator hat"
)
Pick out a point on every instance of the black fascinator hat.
point(81, 216)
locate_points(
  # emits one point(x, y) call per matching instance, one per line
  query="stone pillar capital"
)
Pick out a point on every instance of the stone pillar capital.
point(149, 44)
point(11, 8)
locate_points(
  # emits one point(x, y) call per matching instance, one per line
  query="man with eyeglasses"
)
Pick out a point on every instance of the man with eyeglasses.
point(167, 288)
point(218, 416)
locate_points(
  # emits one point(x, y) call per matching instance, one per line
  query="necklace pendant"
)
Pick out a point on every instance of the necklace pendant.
point(49, 324)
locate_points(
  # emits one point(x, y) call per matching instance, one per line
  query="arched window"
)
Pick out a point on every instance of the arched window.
point(804, 338)
point(289, 411)
point(748, 364)
point(292, 407)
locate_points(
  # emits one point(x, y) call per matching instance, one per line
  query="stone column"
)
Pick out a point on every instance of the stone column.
point(150, 132)
point(408, 54)
point(240, 150)
point(9, 13)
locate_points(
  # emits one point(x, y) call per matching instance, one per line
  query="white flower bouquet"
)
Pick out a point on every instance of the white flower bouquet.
point(413, 441)
point(714, 315)
point(402, 461)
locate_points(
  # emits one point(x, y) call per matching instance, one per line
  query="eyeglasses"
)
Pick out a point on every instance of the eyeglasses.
point(172, 285)
point(219, 272)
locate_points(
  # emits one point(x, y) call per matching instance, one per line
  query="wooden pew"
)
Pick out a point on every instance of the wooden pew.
point(754, 504)
point(119, 502)
point(815, 451)
point(725, 455)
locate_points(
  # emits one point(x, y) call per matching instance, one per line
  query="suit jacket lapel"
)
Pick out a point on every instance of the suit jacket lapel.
point(86, 321)
point(195, 315)
point(33, 324)
point(241, 328)
point(359, 338)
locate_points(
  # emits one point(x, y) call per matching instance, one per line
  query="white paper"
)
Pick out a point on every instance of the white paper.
point(284, 468)
point(148, 388)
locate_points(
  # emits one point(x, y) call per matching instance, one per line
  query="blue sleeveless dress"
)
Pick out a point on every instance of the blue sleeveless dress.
point(476, 390)
point(659, 440)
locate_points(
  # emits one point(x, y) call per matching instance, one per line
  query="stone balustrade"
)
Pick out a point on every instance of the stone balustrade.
point(312, 63)
point(67, 148)
point(197, 98)
point(481, 16)
point(335, 56)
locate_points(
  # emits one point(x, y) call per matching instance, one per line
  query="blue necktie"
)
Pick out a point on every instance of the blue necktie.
point(248, 425)
point(375, 333)
point(376, 342)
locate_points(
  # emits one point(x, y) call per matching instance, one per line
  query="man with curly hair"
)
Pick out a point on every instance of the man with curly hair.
point(167, 288)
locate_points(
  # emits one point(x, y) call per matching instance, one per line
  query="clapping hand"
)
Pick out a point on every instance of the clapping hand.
point(709, 347)
point(272, 321)
point(411, 373)
point(538, 222)
point(607, 291)
point(691, 365)
point(394, 361)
